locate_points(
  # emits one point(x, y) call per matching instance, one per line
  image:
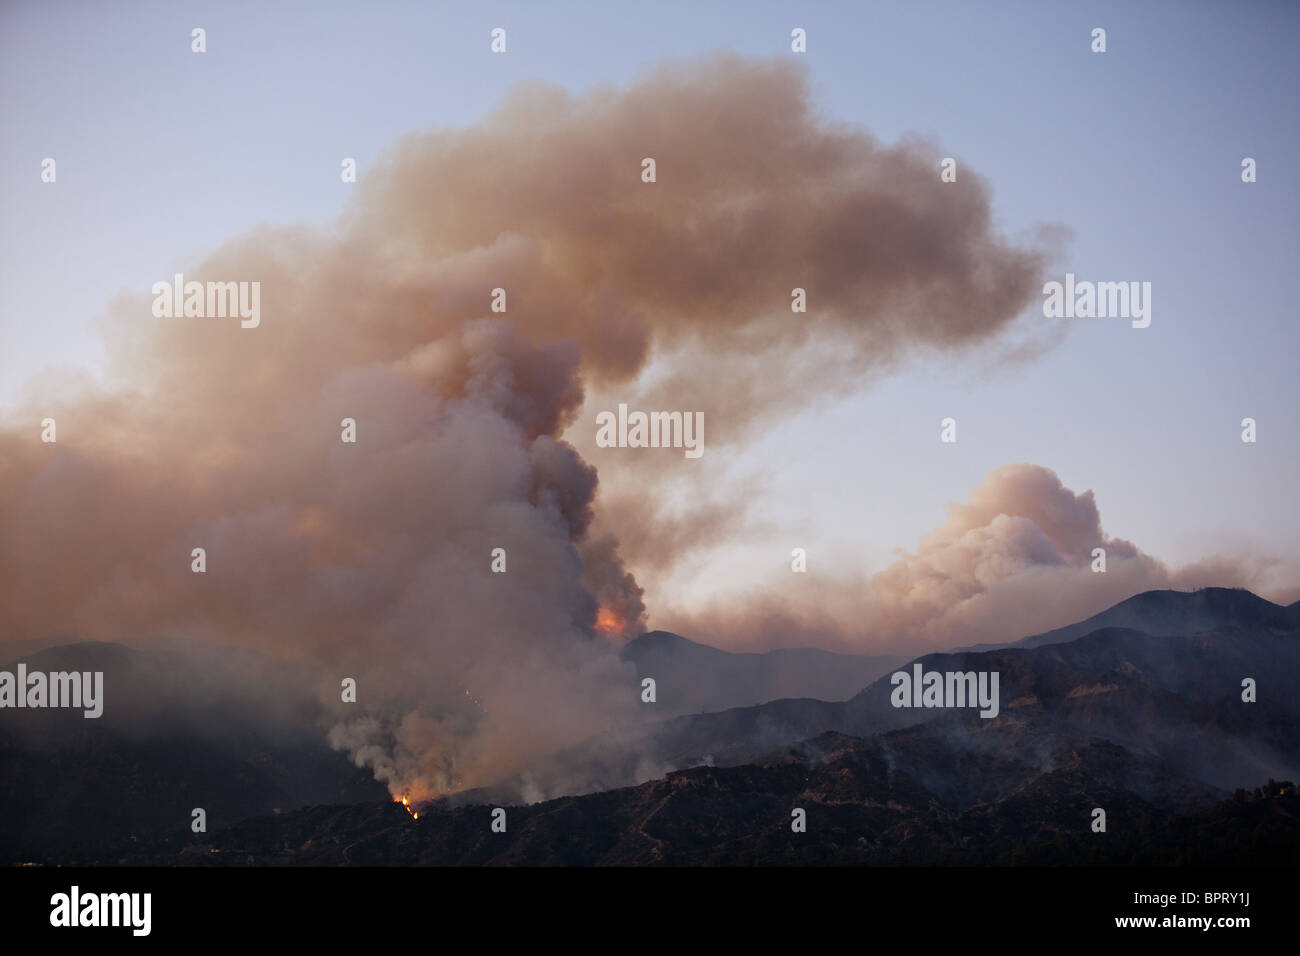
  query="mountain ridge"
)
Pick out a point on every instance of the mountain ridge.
point(1150, 726)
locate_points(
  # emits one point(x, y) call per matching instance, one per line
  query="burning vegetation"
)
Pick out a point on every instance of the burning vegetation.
point(406, 805)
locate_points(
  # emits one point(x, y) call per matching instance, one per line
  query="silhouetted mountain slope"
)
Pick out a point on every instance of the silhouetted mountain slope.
point(229, 732)
point(861, 807)
point(695, 678)
point(1226, 746)
point(1197, 667)
point(1150, 727)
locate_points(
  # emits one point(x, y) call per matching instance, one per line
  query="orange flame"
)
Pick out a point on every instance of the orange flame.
point(608, 624)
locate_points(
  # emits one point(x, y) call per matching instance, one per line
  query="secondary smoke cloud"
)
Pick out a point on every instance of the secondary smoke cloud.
point(1016, 559)
point(1018, 553)
point(373, 559)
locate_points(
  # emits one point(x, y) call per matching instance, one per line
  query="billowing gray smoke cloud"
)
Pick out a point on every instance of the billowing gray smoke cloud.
point(373, 560)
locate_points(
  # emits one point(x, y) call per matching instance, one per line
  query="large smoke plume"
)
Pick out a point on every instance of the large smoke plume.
point(373, 560)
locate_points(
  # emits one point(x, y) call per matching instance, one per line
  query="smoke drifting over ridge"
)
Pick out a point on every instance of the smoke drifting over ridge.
point(1014, 560)
point(374, 558)
point(1019, 552)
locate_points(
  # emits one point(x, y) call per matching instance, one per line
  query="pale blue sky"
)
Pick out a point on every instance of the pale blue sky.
point(163, 154)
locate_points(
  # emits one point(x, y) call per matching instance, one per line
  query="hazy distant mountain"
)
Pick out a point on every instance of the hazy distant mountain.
point(1175, 612)
point(1174, 696)
point(694, 678)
